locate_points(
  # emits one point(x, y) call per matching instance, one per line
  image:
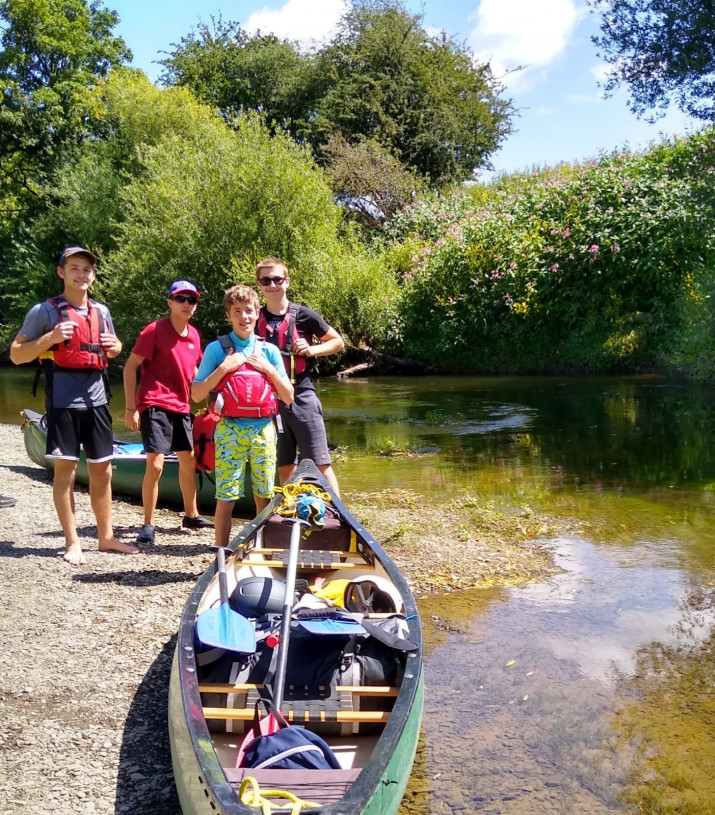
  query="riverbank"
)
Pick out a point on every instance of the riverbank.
point(84, 685)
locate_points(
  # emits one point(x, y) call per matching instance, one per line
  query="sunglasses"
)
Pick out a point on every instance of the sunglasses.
point(180, 298)
point(266, 281)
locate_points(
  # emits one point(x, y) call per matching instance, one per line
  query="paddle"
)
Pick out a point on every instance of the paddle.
point(279, 681)
point(222, 627)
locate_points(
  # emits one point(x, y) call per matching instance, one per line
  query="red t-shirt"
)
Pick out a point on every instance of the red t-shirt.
point(169, 366)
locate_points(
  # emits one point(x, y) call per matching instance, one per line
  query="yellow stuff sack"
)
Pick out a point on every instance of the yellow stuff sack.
point(333, 591)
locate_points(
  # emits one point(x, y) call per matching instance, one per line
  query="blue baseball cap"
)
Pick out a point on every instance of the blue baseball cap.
point(182, 286)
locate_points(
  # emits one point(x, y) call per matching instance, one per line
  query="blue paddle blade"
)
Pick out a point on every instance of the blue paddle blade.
point(332, 625)
point(222, 627)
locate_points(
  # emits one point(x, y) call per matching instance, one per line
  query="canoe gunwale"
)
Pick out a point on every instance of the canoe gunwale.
point(410, 693)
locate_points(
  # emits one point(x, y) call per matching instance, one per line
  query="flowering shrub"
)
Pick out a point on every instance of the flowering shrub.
point(597, 266)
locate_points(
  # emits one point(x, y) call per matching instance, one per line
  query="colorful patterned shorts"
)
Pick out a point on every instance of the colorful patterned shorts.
point(238, 444)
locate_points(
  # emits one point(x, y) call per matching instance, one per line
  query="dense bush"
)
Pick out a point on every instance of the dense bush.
point(598, 266)
point(208, 207)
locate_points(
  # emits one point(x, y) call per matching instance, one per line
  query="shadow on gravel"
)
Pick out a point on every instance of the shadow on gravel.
point(31, 473)
point(152, 577)
point(11, 549)
point(145, 782)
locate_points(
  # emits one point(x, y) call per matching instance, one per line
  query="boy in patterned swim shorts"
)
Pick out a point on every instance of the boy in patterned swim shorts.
point(250, 439)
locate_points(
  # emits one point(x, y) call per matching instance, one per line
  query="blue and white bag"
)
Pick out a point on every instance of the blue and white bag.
point(290, 747)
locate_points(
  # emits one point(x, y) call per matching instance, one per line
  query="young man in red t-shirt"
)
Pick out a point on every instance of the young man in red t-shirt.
point(166, 355)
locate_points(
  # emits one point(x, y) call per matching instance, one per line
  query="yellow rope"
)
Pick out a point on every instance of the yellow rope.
point(251, 795)
point(292, 491)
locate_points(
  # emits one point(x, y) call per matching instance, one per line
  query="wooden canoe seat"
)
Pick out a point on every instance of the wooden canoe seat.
point(306, 705)
point(321, 786)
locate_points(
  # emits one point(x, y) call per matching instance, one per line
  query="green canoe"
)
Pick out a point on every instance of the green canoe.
point(128, 469)
point(370, 718)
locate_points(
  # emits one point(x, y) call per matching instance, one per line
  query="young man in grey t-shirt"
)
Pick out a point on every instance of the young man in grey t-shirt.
point(73, 337)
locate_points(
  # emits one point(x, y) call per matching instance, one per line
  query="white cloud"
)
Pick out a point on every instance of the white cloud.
point(301, 20)
point(532, 33)
point(544, 111)
point(600, 71)
point(585, 98)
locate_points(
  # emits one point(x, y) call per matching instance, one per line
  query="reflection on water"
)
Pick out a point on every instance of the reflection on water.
point(537, 697)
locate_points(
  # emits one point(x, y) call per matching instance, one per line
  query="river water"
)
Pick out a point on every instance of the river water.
point(591, 692)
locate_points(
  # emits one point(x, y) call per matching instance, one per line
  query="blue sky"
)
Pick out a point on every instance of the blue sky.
point(562, 113)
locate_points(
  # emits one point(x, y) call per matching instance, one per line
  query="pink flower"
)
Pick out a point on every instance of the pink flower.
point(593, 248)
point(554, 268)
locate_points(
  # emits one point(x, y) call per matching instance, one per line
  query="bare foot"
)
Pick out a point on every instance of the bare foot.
point(74, 555)
point(117, 546)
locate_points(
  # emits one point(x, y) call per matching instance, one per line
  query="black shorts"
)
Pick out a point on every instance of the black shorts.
point(301, 430)
point(68, 428)
point(164, 431)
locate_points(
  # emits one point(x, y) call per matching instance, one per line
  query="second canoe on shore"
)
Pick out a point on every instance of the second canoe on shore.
point(128, 469)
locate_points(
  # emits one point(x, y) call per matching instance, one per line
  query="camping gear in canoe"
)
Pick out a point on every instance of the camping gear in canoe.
point(356, 686)
point(128, 469)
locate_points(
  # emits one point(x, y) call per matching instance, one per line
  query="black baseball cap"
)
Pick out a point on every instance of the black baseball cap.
point(77, 250)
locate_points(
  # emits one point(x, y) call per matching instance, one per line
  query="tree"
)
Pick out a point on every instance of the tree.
point(370, 182)
point(419, 96)
point(82, 200)
point(235, 72)
point(54, 54)
point(383, 79)
point(664, 50)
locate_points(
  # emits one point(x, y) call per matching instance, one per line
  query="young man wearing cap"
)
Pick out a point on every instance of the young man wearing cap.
point(166, 355)
point(294, 329)
point(73, 337)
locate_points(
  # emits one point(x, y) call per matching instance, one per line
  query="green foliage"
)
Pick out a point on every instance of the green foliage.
point(227, 68)
point(383, 79)
point(418, 95)
point(54, 53)
point(81, 203)
point(369, 181)
point(208, 208)
point(589, 266)
point(663, 50)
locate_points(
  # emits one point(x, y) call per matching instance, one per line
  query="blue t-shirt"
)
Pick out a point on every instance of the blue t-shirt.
point(70, 389)
point(214, 355)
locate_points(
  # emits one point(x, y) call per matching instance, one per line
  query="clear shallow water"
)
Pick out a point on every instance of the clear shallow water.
point(555, 689)
point(588, 693)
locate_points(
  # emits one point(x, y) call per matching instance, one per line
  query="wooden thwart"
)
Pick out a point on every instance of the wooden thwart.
point(322, 704)
point(308, 563)
point(245, 714)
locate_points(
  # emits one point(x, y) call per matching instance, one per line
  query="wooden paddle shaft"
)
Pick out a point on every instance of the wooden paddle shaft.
point(280, 678)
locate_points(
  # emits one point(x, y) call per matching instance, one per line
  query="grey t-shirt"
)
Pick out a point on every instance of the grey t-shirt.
point(70, 389)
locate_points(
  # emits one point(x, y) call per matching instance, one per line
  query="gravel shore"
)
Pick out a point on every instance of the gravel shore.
point(83, 691)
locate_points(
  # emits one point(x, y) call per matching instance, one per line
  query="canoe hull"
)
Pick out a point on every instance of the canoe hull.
point(128, 471)
point(201, 782)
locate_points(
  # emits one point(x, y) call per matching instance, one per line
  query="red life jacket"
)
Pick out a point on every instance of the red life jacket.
point(245, 392)
point(204, 429)
point(84, 349)
point(283, 336)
